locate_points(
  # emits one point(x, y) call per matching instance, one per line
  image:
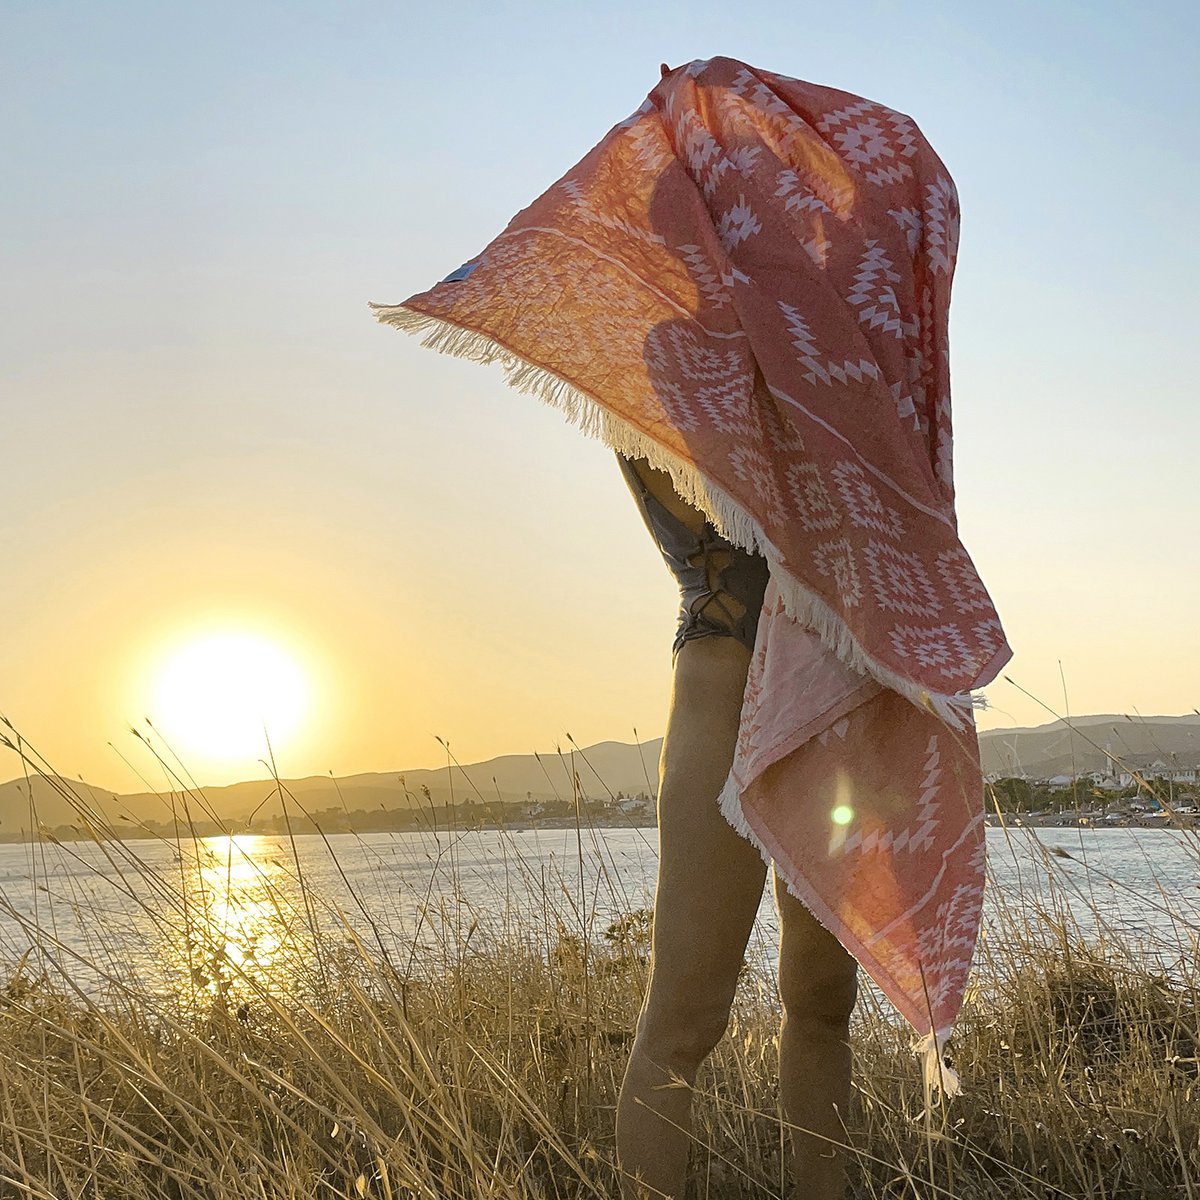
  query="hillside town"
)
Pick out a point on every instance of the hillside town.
point(1153, 794)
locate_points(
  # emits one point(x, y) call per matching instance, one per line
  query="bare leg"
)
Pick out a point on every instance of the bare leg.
point(818, 986)
point(710, 883)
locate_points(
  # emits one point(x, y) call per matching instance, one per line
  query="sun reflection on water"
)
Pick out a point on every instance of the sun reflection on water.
point(240, 921)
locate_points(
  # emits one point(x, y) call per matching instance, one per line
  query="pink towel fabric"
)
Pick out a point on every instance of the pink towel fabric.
point(747, 282)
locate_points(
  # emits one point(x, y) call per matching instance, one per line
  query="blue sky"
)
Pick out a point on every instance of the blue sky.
point(204, 424)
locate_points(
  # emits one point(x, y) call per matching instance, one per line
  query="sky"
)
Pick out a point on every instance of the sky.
point(208, 437)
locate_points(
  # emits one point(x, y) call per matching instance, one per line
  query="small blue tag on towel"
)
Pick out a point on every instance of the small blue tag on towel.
point(462, 272)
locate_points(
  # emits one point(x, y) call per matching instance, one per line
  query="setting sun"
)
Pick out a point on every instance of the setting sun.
point(224, 694)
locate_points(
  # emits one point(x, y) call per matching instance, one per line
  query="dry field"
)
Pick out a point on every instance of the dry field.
point(490, 1069)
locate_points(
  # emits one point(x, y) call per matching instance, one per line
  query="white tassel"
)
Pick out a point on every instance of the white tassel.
point(937, 1076)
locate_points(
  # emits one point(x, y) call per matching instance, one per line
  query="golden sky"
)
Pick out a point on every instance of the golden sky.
point(208, 435)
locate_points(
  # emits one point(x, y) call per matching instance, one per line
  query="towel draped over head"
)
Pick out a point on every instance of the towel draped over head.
point(747, 282)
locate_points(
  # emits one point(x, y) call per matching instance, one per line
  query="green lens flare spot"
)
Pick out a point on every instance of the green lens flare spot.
point(842, 815)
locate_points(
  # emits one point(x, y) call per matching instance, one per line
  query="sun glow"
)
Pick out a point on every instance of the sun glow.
point(223, 695)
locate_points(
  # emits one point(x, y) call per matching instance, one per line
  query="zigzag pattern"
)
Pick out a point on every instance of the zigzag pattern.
point(596, 217)
point(948, 940)
point(743, 158)
point(763, 99)
point(906, 131)
point(909, 220)
point(829, 371)
point(649, 146)
point(843, 116)
point(941, 225)
point(795, 200)
point(893, 174)
point(828, 193)
point(713, 286)
point(701, 151)
point(883, 309)
point(738, 224)
point(919, 836)
point(943, 442)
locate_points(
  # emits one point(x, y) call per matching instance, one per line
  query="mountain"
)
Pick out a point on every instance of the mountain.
point(1056, 749)
point(609, 767)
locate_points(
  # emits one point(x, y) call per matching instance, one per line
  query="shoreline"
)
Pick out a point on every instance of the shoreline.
point(1068, 820)
point(1092, 820)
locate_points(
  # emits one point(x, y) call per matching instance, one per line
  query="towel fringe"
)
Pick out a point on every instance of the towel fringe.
point(730, 804)
point(592, 419)
point(937, 1076)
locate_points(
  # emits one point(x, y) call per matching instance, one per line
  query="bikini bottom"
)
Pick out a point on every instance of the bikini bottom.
point(721, 586)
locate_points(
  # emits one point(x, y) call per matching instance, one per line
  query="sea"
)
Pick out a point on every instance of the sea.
point(198, 917)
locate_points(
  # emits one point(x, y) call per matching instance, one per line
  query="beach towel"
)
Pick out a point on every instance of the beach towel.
point(747, 283)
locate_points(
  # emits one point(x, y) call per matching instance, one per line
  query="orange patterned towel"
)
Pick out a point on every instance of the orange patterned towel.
point(747, 283)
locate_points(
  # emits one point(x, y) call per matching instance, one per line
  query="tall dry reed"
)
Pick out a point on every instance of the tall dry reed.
point(477, 1053)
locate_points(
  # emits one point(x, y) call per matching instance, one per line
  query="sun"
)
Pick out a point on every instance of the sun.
point(224, 694)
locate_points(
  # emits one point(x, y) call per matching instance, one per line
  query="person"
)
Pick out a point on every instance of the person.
point(710, 883)
point(744, 289)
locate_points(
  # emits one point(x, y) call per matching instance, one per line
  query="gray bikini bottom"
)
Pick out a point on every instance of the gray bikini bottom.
point(721, 586)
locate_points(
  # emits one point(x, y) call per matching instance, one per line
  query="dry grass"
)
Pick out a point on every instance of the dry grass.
point(490, 1069)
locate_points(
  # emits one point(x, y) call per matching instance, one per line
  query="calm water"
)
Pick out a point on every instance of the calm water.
point(209, 914)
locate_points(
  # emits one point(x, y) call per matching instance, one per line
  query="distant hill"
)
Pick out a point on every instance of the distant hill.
point(1048, 750)
point(609, 767)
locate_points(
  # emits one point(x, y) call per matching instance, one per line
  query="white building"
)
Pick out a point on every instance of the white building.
point(1130, 776)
